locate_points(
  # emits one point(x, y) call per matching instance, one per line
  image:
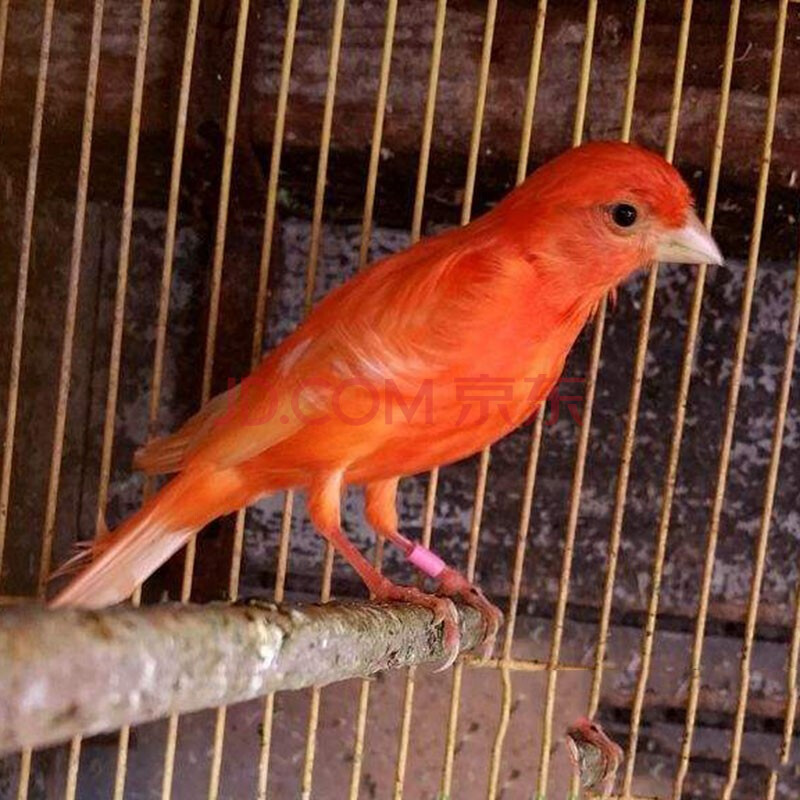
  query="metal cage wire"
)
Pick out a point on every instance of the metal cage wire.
point(505, 665)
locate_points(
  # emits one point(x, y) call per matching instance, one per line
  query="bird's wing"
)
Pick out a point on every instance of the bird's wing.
point(404, 320)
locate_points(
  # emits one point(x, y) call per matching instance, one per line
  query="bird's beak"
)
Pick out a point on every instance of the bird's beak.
point(691, 244)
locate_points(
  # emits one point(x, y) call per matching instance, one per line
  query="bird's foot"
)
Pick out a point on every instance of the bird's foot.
point(444, 612)
point(454, 584)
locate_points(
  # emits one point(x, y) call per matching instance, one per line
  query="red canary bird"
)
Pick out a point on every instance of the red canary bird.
point(376, 383)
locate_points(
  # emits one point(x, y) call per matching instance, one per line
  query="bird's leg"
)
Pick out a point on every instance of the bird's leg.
point(381, 512)
point(324, 509)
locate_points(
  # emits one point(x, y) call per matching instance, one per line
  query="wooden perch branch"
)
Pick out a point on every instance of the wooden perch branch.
point(71, 672)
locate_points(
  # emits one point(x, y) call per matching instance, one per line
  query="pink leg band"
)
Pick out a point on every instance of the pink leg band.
point(425, 560)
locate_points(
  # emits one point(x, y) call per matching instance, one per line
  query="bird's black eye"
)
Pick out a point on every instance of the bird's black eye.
point(623, 214)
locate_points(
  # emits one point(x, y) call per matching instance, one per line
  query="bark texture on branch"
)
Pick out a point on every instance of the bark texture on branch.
point(71, 672)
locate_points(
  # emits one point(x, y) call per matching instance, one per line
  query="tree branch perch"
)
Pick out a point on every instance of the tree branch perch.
point(71, 672)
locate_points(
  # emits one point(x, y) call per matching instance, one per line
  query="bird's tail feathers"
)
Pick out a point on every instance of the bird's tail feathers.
point(169, 453)
point(116, 563)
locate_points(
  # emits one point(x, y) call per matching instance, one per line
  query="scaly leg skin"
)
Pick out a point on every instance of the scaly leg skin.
point(323, 505)
point(381, 513)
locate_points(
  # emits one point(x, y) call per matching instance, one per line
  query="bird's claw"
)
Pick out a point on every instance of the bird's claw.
point(454, 584)
point(444, 613)
point(451, 640)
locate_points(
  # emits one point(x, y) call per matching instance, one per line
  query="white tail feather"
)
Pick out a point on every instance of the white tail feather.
point(130, 560)
point(126, 557)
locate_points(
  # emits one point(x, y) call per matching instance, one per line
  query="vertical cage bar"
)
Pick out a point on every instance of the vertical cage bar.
point(21, 297)
point(633, 410)
point(117, 325)
point(531, 92)
point(427, 122)
point(377, 132)
point(569, 544)
point(363, 256)
point(780, 416)
point(172, 216)
point(791, 685)
point(68, 340)
point(219, 241)
point(163, 312)
point(26, 243)
point(526, 506)
point(633, 70)
point(362, 708)
point(483, 468)
point(513, 603)
point(269, 702)
point(258, 335)
point(648, 642)
point(274, 176)
point(311, 275)
point(123, 263)
point(458, 669)
point(316, 692)
point(69, 325)
point(580, 459)
point(585, 73)
point(219, 257)
point(224, 196)
point(480, 107)
point(404, 733)
point(629, 438)
point(211, 335)
point(3, 28)
point(713, 530)
point(325, 140)
point(636, 383)
point(680, 408)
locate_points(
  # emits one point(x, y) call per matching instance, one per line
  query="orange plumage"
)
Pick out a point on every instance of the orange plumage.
point(373, 385)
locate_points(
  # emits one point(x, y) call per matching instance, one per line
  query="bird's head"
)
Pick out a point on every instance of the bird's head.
point(599, 212)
